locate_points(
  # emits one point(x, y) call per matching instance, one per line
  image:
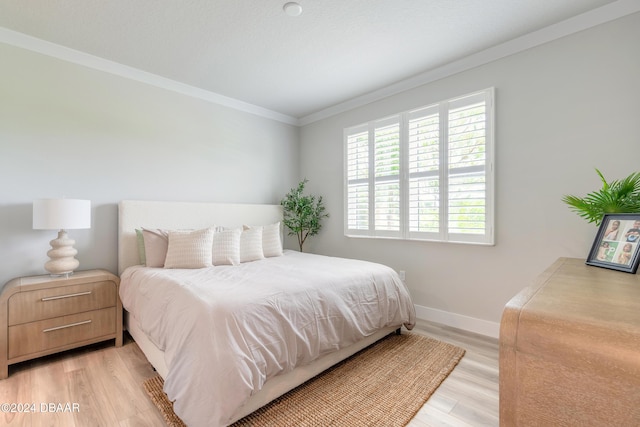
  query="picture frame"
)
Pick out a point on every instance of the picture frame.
point(617, 244)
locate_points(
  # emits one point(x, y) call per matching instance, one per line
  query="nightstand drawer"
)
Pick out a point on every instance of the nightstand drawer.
point(49, 334)
point(43, 304)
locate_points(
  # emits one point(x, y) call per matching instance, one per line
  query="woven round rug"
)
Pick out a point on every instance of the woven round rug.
point(385, 384)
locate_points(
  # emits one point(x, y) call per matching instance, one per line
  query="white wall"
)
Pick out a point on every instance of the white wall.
point(562, 109)
point(66, 130)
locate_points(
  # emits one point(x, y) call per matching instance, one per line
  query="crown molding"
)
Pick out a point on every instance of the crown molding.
point(44, 47)
point(564, 28)
point(570, 26)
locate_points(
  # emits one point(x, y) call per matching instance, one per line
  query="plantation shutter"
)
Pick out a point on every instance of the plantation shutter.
point(386, 148)
point(424, 172)
point(466, 158)
point(357, 171)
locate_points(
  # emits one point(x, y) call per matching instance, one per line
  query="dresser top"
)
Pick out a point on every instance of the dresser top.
point(586, 314)
point(574, 291)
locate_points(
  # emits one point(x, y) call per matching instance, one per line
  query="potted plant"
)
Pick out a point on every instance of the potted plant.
point(619, 196)
point(302, 213)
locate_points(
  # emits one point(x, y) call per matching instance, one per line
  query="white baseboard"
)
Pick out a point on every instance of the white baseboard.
point(471, 324)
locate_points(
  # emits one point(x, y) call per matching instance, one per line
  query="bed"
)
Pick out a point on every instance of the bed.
point(228, 339)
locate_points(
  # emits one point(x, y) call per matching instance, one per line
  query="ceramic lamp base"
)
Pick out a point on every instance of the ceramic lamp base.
point(62, 261)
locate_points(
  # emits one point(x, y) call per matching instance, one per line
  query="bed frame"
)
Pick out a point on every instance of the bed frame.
point(184, 215)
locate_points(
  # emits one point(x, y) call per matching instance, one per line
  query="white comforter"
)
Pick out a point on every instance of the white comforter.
point(226, 330)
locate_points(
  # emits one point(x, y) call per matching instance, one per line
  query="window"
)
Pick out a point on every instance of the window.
point(424, 174)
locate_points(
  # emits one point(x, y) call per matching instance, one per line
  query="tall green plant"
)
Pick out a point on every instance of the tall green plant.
point(619, 196)
point(302, 213)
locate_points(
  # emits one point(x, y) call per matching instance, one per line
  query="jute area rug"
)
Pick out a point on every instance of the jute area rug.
point(383, 385)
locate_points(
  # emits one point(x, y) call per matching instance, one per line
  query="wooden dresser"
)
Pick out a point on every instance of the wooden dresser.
point(41, 315)
point(570, 349)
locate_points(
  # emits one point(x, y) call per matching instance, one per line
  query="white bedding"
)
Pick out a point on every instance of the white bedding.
point(226, 330)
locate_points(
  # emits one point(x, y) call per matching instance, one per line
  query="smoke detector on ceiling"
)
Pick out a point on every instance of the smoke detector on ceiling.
point(292, 9)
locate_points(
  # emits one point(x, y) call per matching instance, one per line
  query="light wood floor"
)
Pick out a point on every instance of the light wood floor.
point(105, 383)
point(469, 395)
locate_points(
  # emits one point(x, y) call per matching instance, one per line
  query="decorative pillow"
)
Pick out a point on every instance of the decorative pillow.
point(189, 249)
point(140, 240)
point(251, 244)
point(155, 246)
point(226, 246)
point(271, 241)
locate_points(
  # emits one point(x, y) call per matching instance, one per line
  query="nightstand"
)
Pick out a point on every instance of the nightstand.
point(41, 315)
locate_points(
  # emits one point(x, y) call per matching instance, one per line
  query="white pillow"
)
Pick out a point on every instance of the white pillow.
point(155, 246)
point(189, 249)
point(251, 244)
point(271, 241)
point(226, 247)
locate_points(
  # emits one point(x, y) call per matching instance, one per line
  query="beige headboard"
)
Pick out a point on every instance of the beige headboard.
point(134, 214)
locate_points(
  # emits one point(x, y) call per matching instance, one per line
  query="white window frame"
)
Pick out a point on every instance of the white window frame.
point(442, 172)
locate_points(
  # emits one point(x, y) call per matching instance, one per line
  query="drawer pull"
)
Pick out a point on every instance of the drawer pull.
point(66, 296)
point(66, 326)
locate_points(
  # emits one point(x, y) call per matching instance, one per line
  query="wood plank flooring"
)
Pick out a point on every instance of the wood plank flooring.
point(469, 395)
point(102, 386)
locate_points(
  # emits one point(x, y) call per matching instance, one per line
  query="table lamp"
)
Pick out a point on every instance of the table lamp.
point(63, 215)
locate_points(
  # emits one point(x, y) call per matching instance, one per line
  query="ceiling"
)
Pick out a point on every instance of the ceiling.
point(297, 67)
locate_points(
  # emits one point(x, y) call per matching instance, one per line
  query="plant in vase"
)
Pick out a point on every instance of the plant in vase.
point(302, 213)
point(618, 196)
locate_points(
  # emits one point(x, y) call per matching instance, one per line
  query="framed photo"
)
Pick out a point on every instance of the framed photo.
point(617, 244)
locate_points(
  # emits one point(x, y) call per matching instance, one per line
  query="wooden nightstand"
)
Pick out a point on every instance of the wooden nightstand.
point(41, 315)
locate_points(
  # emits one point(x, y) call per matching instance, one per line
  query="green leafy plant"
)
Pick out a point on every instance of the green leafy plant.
point(619, 196)
point(302, 213)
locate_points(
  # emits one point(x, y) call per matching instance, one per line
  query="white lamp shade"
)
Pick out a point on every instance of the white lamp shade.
point(61, 214)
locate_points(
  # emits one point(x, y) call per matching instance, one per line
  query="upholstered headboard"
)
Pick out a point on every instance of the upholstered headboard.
point(134, 214)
